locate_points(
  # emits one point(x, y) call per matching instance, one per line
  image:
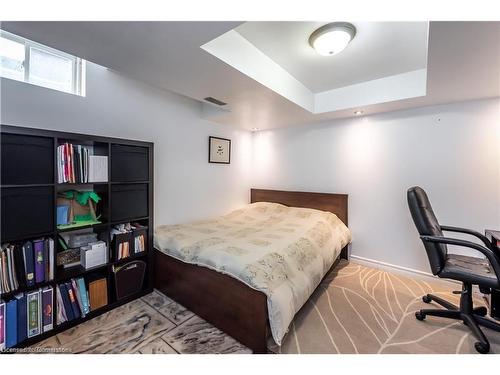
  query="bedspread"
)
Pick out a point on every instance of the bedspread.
point(281, 251)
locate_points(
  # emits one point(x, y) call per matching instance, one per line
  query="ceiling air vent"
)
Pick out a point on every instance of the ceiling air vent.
point(214, 101)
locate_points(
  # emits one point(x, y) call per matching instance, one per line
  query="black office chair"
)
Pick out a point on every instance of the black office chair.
point(469, 270)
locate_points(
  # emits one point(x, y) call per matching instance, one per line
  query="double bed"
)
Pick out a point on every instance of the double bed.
point(250, 271)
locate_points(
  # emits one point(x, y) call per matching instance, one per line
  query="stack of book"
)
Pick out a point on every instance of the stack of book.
point(122, 234)
point(26, 315)
point(75, 301)
point(139, 244)
point(72, 300)
point(75, 164)
point(26, 265)
point(72, 163)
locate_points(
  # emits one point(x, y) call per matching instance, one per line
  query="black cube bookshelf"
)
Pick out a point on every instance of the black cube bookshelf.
point(29, 190)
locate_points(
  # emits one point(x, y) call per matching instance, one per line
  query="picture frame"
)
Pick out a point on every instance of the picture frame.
point(219, 150)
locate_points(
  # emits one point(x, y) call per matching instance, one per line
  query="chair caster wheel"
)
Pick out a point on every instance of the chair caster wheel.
point(419, 315)
point(481, 311)
point(426, 299)
point(482, 348)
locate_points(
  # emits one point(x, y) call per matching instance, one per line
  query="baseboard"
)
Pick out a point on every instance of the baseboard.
point(397, 269)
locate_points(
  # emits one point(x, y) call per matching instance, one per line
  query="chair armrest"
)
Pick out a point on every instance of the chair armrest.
point(482, 237)
point(492, 257)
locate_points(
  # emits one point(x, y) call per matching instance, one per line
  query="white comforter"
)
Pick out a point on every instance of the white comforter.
point(282, 251)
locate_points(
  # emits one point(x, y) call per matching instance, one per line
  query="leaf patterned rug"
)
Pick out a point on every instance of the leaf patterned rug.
point(358, 309)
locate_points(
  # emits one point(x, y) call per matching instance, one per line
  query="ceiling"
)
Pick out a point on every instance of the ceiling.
point(379, 49)
point(463, 64)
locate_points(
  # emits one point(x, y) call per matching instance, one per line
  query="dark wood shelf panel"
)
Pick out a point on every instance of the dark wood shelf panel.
point(73, 184)
point(27, 289)
point(133, 220)
point(28, 237)
point(132, 257)
point(26, 185)
point(97, 226)
point(129, 182)
point(64, 274)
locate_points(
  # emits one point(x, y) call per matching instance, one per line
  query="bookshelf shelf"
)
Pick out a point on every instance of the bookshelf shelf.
point(27, 289)
point(24, 237)
point(34, 152)
point(119, 262)
point(128, 182)
point(63, 229)
point(69, 273)
point(129, 220)
point(26, 185)
point(73, 185)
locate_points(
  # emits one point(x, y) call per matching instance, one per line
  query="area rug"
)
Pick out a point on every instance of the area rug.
point(358, 309)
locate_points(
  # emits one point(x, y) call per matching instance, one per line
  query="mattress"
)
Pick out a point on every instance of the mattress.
point(281, 251)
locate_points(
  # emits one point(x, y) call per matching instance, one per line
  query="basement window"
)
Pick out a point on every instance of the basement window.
point(27, 61)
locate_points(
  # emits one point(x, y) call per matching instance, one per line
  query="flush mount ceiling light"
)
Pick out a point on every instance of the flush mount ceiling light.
point(332, 38)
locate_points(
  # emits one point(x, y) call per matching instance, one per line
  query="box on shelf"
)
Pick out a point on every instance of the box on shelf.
point(122, 245)
point(140, 236)
point(129, 278)
point(98, 168)
point(94, 254)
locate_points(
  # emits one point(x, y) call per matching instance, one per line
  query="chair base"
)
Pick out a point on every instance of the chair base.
point(470, 316)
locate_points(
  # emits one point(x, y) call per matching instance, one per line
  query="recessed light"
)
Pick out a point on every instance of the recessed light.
point(359, 112)
point(332, 38)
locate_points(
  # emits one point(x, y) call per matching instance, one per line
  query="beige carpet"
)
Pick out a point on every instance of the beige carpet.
point(365, 310)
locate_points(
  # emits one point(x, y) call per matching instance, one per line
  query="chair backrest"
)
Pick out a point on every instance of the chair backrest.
point(427, 224)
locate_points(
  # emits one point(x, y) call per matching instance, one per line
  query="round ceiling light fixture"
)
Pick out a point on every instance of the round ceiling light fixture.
point(332, 38)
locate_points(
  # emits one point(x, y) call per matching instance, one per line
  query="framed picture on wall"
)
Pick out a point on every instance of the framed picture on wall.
point(219, 150)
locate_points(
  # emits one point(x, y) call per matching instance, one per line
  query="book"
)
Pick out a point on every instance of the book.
point(61, 312)
point(51, 259)
point(76, 291)
point(46, 260)
point(98, 294)
point(33, 311)
point(20, 269)
point(29, 263)
point(47, 310)
point(38, 247)
point(66, 302)
point(83, 295)
point(2, 325)
point(73, 300)
point(22, 317)
point(10, 269)
point(11, 324)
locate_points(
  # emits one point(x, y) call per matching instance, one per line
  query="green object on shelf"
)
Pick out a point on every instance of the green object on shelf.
point(82, 197)
point(82, 223)
point(86, 199)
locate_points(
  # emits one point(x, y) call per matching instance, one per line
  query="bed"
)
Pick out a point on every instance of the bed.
point(250, 271)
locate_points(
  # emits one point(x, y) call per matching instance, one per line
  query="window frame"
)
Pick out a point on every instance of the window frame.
point(78, 64)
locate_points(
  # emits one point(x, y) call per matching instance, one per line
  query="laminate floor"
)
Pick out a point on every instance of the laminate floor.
point(149, 325)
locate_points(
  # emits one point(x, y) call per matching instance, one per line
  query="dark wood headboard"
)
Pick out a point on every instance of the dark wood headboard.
point(334, 203)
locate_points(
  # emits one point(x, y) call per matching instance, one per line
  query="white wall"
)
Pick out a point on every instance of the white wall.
point(452, 151)
point(187, 187)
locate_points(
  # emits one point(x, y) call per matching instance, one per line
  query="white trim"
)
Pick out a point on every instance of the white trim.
point(398, 269)
point(77, 64)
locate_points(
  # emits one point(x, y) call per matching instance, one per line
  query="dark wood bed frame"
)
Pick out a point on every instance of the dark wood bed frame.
point(227, 303)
